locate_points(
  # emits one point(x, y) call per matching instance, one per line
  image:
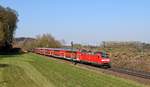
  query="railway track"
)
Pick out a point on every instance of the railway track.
point(140, 74)
point(145, 75)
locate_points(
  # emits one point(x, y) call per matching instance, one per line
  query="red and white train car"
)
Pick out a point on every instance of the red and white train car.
point(99, 58)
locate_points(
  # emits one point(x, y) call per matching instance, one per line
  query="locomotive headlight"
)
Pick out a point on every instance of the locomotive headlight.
point(105, 60)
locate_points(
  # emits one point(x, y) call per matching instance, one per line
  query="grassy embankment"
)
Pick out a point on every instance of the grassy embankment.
point(31, 70)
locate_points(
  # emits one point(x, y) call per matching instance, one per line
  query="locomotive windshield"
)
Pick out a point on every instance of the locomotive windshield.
point(103, 54)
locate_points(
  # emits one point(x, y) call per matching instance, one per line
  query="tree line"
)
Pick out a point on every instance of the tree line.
point(45, 40)
point(8, 25)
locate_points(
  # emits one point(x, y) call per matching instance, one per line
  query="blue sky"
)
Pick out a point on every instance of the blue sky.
point(83, 21)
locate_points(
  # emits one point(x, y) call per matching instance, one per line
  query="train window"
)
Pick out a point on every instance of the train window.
point(84, 51)
point(87, 51)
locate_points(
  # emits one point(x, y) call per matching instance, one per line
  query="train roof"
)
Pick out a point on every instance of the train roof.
point(65, 49)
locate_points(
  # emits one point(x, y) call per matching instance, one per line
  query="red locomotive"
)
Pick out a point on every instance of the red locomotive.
point(98, 58)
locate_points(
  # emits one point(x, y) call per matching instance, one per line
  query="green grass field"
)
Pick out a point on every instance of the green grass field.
point(31, 70)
